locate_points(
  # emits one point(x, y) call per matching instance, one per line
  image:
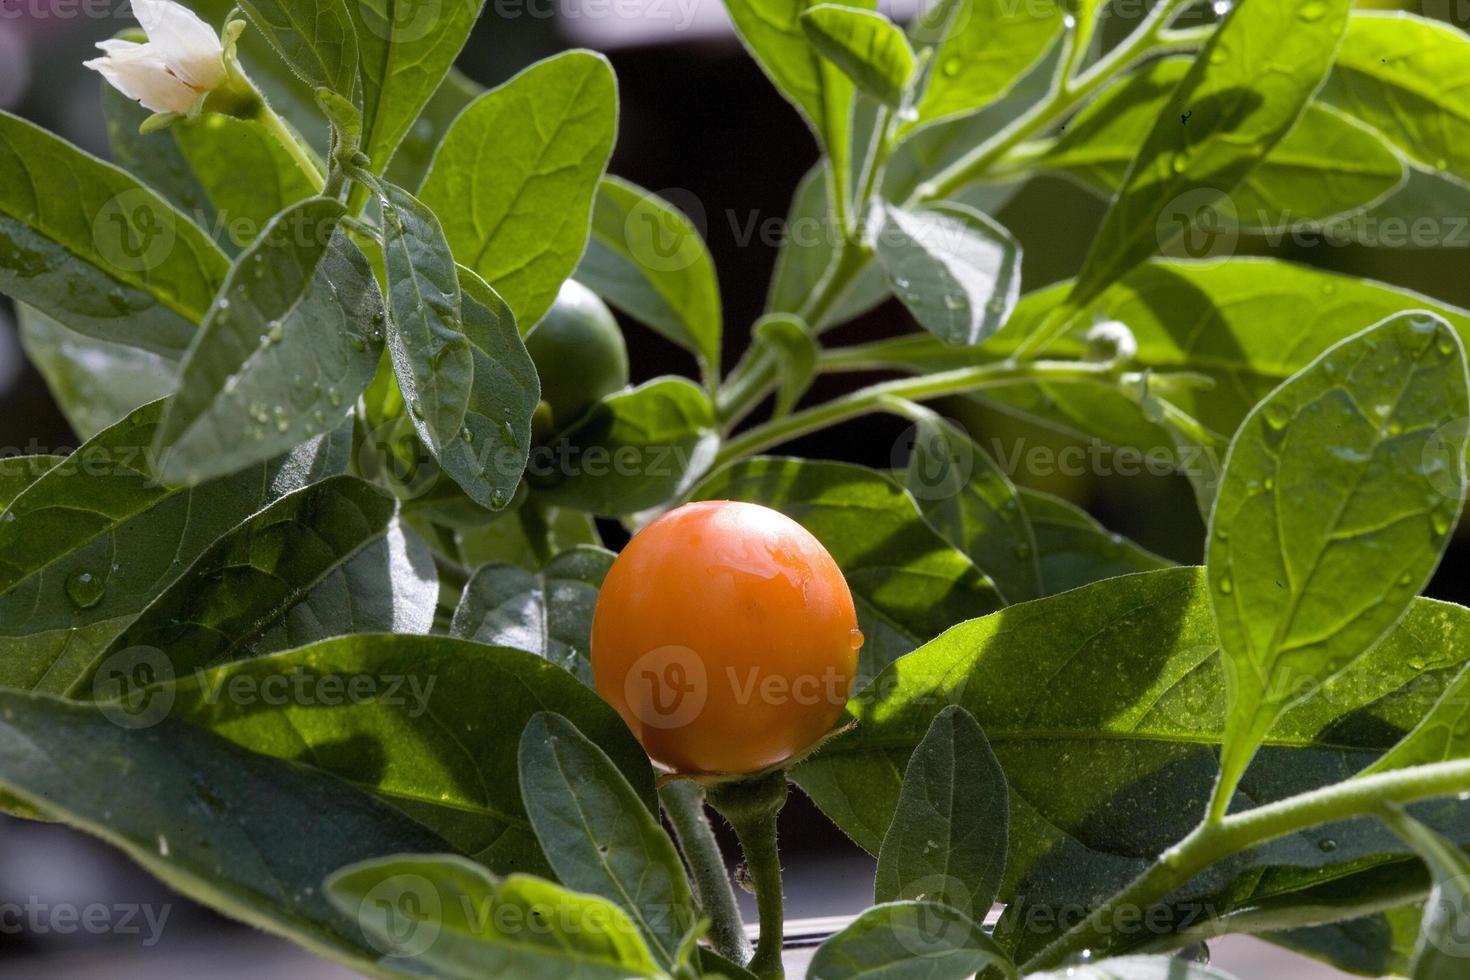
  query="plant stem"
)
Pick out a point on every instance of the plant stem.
point(879, 397)
point(1213, 841)
point(683, 803)
point(751, 807)
point(304, 159)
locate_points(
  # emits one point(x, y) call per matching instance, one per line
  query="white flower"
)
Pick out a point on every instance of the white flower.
point(181, 61)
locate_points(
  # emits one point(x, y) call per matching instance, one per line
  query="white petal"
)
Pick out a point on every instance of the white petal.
point(146, 78)
point(118, 48)
point(185, 43)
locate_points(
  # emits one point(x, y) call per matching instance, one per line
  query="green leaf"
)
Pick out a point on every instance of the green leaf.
point(535, 146)
point(796, 354)
point(204, 816)
point(315, 37)
point(958, 272)
point(520, 540)
point(251, 591)
point(1441, 735)
point(406, 49)
point(548, 613)
point(1443, 943)
point(600, 836)
point(985, 48)
point(1104, 700)
point(428, 723)
point(1375, 945)
point(1325, 166)
point(1137, 968)
point(634, 450)
point(1074, 550)
point(85, 243)
point(85, 548)
point(431, 355)
point(647, 258)
point(1338, 498)
point(867, 46)
point(95, 383)
point(415, 153)
point(218, 149)
point(289, 344)
point(19, 472)
point(771, 31)
point(904, 577)
point(156, 159)
point(1405, 76)
point(909, 941)
point(966, 497)
point(448, 917)
point(947, 842)
point(1237, 120)
point(807, 252)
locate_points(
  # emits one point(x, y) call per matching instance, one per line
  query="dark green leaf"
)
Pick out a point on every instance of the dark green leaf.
point(204, 816)
point(87, 244)
point(431, 355)
point(430, 724)
point(447, 917)
point(1075, 550)
point(406, 48)
point(948, 839)
point(1246, 90)
point(19, 472)
point(958, 272)
point(868, 47)
point(244, 596)
point(1338, 498)
point(535, 146)
point(94, 382)
point(293, 338)
point(523, 541)
point(966, 497)
point(909, 941)
point(599, 836)
point(84, 549)
point(635, 450)
point(905, 578)
point(548, 613)
point(646, 257)
point(315, 37)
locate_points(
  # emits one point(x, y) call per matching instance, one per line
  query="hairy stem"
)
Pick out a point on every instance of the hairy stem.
point(304, 158)
point(1215, 840)
point(683, 803)
point(751, 807)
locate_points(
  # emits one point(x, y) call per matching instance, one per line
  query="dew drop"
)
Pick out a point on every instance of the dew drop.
point(497, 498)
point(466, 434)
point(1327, 845)
point(508, 436)
point(84, 589)
point(952, 67)
point(275, 332)
point(416, 407)
point(1311, 11)
point(856, 638)
point(1226, 585)
point(1023, 551)
point(358, 342)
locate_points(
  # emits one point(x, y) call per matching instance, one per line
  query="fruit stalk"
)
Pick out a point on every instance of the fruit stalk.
point(683, 803)
point(751, 807)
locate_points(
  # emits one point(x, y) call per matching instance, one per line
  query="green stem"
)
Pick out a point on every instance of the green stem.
point(1150, 39)
point(683, 803)
point(879, 397)
point(304, 158)
point(1216, 840)
point(751, 807)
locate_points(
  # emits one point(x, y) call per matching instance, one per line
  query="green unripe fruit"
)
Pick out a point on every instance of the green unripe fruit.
point(579, 353)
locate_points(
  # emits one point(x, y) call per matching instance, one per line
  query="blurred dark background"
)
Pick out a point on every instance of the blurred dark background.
point(701, 125)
